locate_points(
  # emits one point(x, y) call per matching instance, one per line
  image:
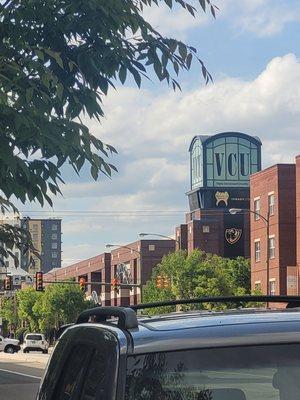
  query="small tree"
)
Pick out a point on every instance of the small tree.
point(27, 298)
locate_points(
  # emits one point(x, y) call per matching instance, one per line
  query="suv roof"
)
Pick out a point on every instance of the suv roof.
point(187, 330)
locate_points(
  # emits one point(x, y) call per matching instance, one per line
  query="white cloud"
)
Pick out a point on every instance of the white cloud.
point(152, 132)
point(176, 22)
point(262, 17)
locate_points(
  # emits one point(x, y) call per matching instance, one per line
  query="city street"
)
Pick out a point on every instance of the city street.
point(20, 375)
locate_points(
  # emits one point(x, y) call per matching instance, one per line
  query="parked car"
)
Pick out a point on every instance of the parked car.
point(9, 345)
point(237, 354)
point(35, 342)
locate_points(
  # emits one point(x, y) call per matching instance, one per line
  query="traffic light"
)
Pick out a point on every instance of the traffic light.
point(163, 282)
point(159, 281)
point(82, 284)
point(8, 283)
point(166, 282)
point(39, 284)
point(115, 283)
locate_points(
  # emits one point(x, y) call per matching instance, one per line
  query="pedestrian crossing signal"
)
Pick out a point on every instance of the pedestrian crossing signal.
point(39, 284)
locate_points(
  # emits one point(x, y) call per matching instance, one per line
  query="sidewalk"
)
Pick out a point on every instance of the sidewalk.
point(38, 359)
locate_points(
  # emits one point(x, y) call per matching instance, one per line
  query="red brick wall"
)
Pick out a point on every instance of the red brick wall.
point(298, 207)
point(279, 179)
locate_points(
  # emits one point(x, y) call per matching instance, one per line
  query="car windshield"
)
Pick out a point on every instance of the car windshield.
point(239, 373)
point(34, 337)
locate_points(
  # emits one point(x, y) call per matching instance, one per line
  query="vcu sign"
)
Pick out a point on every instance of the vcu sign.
point(225, 160)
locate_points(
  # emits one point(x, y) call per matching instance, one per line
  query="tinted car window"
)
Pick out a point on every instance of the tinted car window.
point(71, 380)
point(34, 337)
point(240, 373)
point(97, 383)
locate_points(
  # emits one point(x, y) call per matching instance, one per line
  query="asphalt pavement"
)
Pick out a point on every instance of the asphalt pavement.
point(20, 376)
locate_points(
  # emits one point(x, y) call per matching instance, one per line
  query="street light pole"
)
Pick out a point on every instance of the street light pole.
point(266, 220)
point(140, 260)
point(163, 236)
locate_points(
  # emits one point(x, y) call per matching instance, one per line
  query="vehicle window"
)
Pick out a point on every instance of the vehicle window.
point(240, 373)
point(98, 383)
point(34, 337)
point(71, 380)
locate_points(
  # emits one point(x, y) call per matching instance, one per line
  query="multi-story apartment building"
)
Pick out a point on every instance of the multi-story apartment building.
point(274, 228)
point(46, 238)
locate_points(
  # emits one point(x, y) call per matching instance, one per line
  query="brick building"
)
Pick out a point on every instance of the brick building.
point(220, 168)
point(275, 194)
point(132, 263)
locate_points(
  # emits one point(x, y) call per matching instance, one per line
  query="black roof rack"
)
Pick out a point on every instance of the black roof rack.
point(127, 318)
point(292, 301)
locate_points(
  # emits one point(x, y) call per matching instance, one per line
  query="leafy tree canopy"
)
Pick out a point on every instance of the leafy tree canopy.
point(58, 59)
point(44, 311)
point(198, 274)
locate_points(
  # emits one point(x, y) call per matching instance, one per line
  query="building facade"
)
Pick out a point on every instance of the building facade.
point(275, 204)
point(130, 264)
point(46, 237)
point(220, 168)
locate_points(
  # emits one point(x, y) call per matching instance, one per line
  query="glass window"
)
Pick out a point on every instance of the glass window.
point(54, 254)
point(53, 263)
point(257, 250)
point(256, 209)
point(257, 286)
point(35, 237)
point(239, 373)
point(33, 337)
point(54, 227)
point(272, 247)
point(271, 203)
point(54, 236)
point(97, 378)
point(272, 287)
point(54, 245)
point(151, 247)
point(72, 377)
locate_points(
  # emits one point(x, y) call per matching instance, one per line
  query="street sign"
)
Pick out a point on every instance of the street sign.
point(17, 279)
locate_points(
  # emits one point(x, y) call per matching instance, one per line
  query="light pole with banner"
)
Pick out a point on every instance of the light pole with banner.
point(125, 275)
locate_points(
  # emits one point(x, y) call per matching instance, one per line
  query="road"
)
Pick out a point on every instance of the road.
point(20, 376)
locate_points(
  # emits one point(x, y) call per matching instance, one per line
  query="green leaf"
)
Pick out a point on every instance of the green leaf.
point(29, 94)
point(94, 172)
point(182, 50)
point(203, 4)
point(122, 74)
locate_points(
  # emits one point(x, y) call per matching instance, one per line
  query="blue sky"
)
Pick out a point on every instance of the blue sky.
point(252, 51)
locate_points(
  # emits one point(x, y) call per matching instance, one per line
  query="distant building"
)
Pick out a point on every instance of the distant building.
point(275, 194)
point(46, 238)
point(220, 168)
point(131, 263)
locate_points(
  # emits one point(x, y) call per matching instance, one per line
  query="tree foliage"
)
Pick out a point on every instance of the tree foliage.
point(198, 274)
point(58, 60)
point(44, 311)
